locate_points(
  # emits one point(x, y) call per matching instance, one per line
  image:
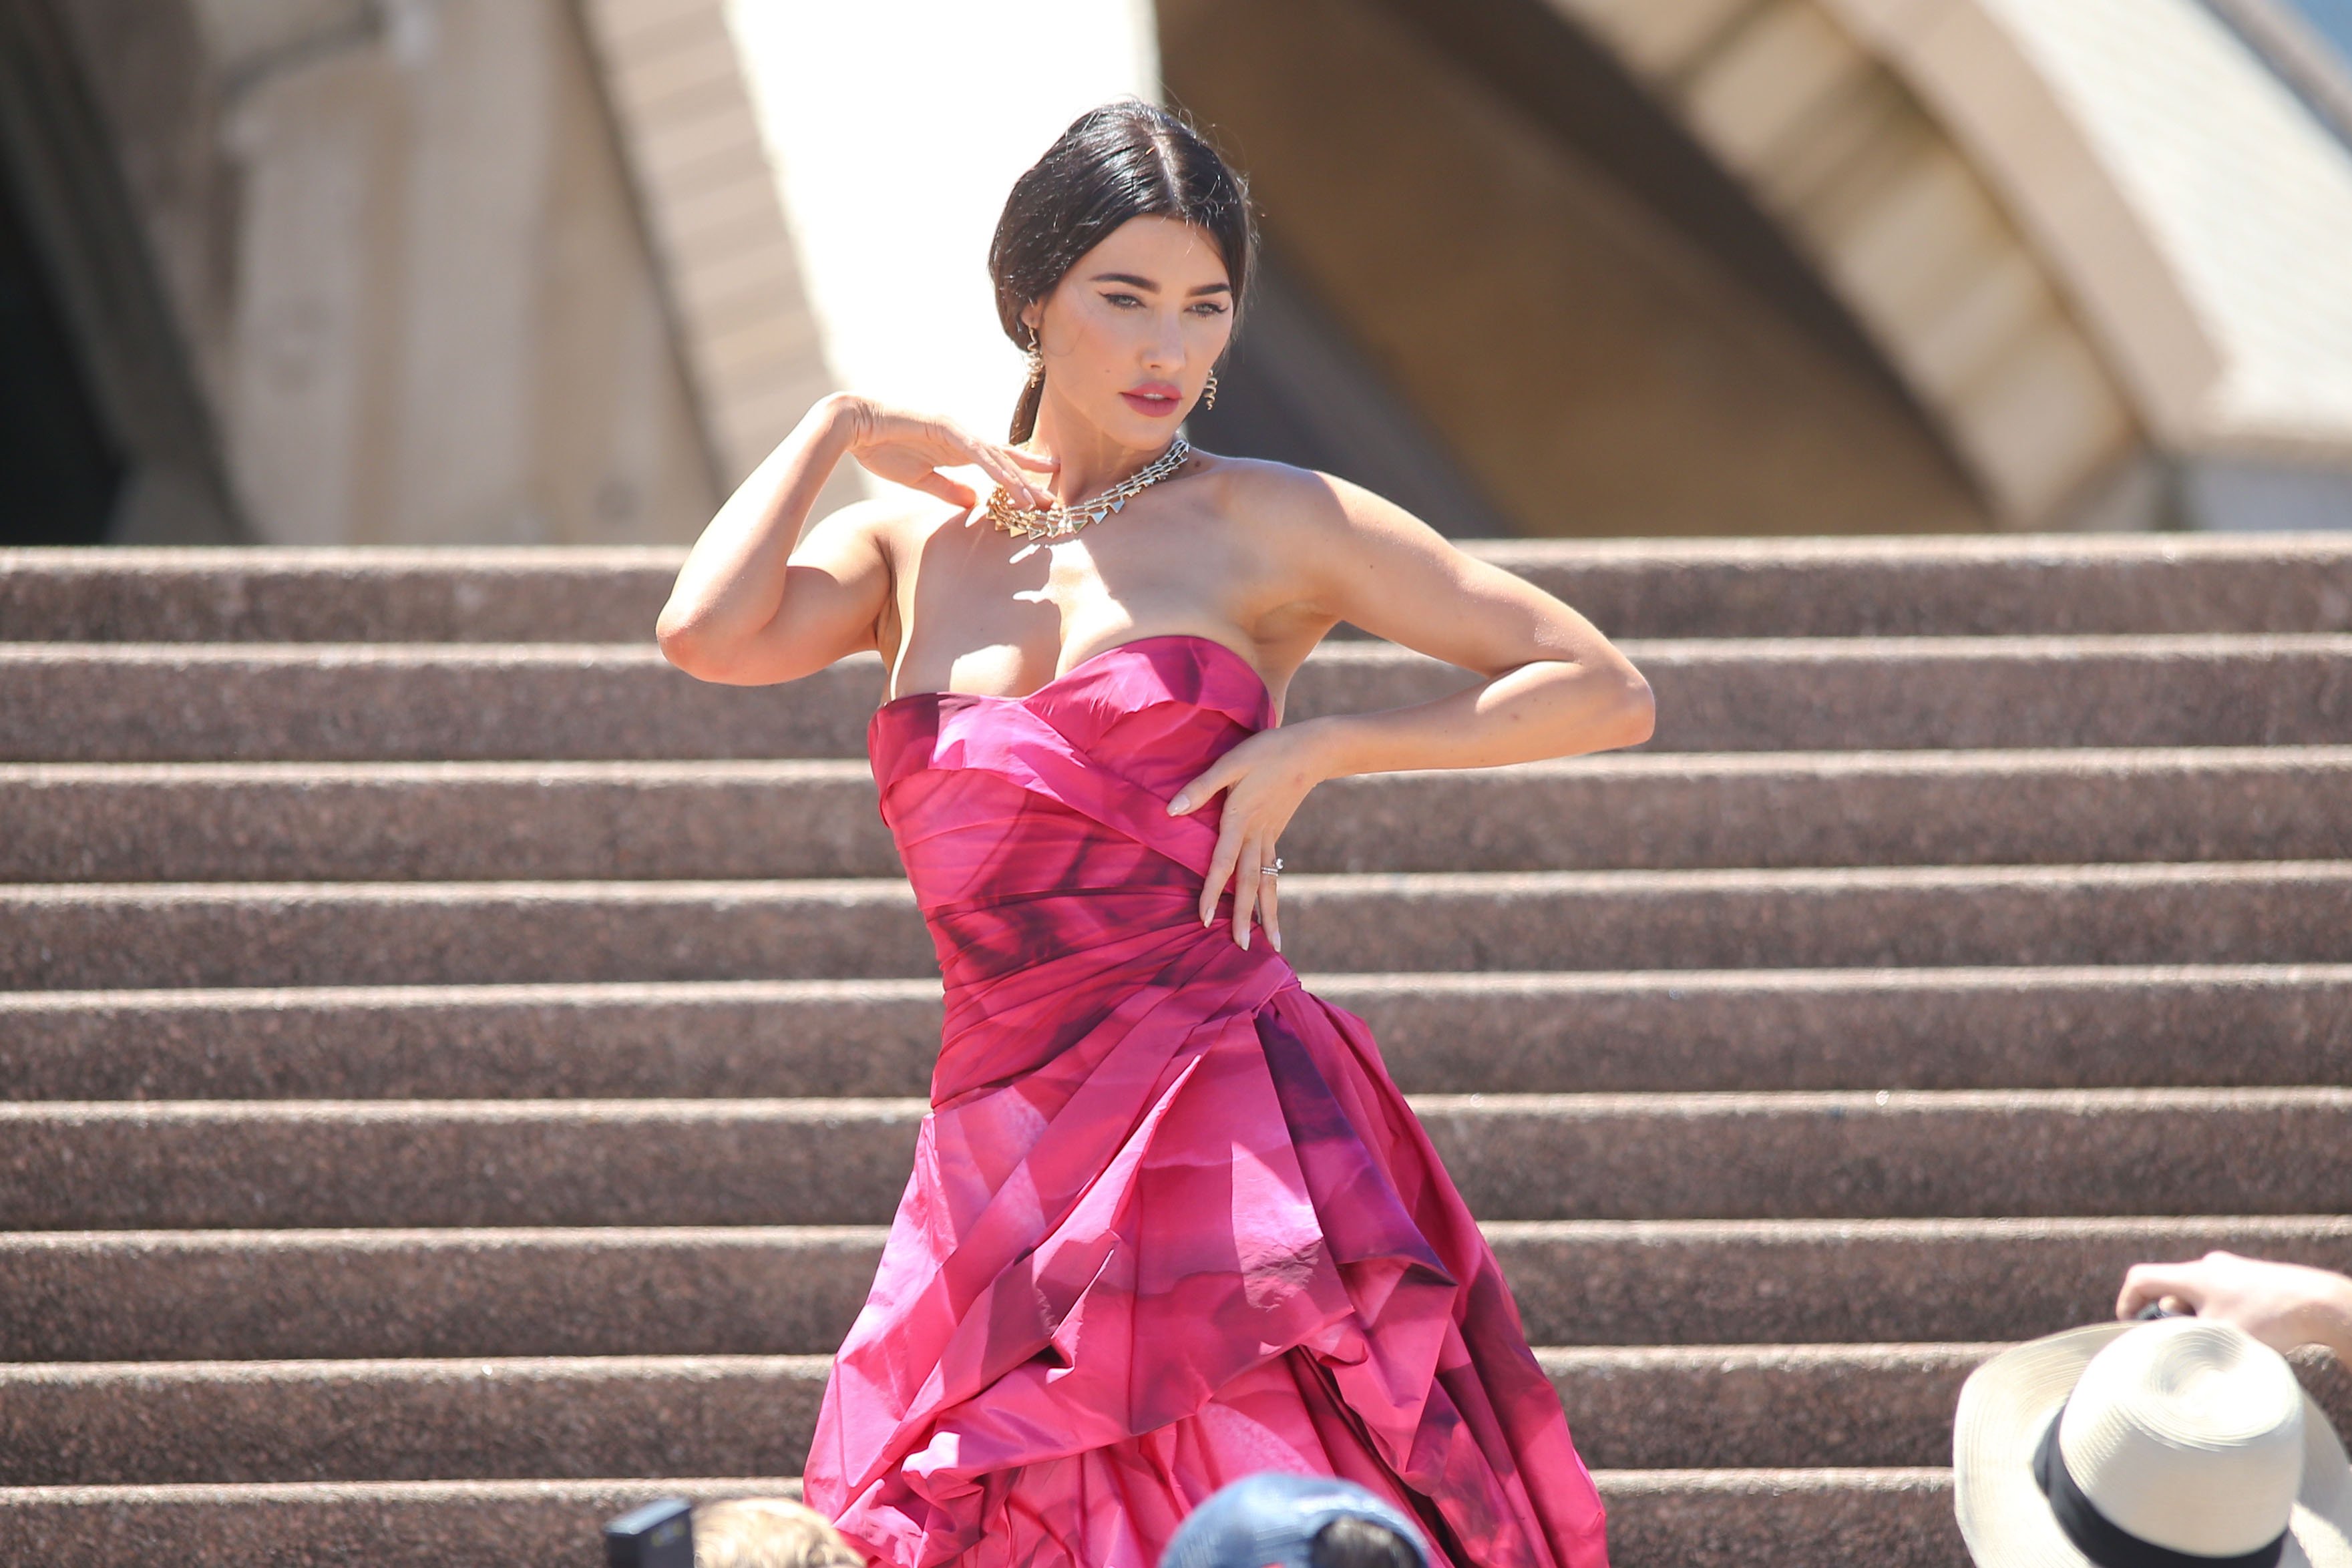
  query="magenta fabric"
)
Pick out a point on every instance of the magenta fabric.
point(1170, 1221)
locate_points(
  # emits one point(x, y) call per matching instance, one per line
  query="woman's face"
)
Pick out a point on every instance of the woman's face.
point(1131, 331)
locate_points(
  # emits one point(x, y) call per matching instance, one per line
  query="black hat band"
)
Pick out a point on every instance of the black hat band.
point(2105, 1542)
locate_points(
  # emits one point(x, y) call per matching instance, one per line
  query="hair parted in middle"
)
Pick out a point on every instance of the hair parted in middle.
point(1124, 160)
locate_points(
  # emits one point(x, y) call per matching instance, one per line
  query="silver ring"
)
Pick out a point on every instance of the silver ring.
point(1273, 870)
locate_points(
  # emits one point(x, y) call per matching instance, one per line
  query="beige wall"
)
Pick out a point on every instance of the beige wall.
point(447, 273)
point(408, 268)
point(447, 325)
point(1595, 371)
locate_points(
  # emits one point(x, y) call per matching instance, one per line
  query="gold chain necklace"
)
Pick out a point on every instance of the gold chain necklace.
point(1039, 524)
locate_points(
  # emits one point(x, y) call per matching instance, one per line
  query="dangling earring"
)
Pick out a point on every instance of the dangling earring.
point(1209, 391)
point(1036, 360)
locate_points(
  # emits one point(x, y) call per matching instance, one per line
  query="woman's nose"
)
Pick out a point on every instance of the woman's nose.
point(1165, 349)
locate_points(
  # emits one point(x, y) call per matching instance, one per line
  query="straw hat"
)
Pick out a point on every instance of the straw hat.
point(2180, 1443)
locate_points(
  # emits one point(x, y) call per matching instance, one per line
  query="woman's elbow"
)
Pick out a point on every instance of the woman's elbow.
point(686, 646)
point(1634, 718)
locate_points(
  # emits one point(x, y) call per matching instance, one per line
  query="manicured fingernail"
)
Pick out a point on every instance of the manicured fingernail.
point(1276, 937)
point(1179, 803)
point(1244, 940)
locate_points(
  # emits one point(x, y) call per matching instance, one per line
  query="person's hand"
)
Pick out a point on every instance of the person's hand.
point(1262, 779)
point(909, 448)
point(2282, 1304)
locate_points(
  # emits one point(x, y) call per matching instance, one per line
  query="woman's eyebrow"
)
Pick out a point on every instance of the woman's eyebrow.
point(1149, 287)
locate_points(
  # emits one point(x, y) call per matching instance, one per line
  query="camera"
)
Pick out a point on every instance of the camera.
point(658, 1535)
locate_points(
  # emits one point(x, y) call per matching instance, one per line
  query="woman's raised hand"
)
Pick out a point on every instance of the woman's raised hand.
point(910, 449)
point(1262, 779)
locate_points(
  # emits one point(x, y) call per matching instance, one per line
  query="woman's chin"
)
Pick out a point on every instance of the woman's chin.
point(1141, 431)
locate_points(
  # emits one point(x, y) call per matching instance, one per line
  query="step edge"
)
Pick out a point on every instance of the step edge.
point(1503, 1232)
point(630, 993)
point(892, 1111)
point(97, 1375)
point(895, 890)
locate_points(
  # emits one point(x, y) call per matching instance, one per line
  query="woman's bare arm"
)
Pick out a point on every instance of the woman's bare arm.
point(761, 601)
point(756, 603)
point(1555, 687)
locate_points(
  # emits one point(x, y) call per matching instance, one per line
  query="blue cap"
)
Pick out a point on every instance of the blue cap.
point(1272, 1518)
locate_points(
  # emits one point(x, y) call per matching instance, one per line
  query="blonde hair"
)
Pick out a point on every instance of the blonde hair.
point(768, 1533)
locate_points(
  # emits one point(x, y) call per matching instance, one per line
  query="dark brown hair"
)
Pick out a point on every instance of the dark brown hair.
point(1351, 1541)
point(1124, 160)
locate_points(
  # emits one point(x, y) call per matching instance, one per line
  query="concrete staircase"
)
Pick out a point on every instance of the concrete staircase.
point(458, 1070)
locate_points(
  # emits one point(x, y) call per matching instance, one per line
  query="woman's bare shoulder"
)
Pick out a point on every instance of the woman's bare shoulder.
point(1274, 494)
point(1310, 509)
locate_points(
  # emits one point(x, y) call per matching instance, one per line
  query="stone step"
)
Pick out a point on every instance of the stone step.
point(224, 1422)
point(351, 702)
point(1657, 1519)
point(212, 1295)
point(1764, 1519)
point(177, 1423)
point(1896, 586)
point(201, 1164)
point(1656, 1407)
point(2212, 1026)
point(660, 900)
point(385, 1524)
point(199, 822)
point(99, 936)
point(181, 1423)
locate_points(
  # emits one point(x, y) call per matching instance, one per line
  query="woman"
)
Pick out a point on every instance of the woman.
point(1169, 1223)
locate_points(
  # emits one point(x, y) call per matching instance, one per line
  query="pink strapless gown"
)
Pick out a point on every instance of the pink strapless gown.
point(1169, 1223)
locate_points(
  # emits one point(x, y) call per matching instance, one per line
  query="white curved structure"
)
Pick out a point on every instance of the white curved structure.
point(894, 127)
point(2082, 232)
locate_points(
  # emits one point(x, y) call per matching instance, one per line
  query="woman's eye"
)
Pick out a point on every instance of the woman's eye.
point(1122, 300)
point(1210, 308)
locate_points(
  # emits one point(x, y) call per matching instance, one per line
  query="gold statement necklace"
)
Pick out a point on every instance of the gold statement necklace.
point(1040, 525)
